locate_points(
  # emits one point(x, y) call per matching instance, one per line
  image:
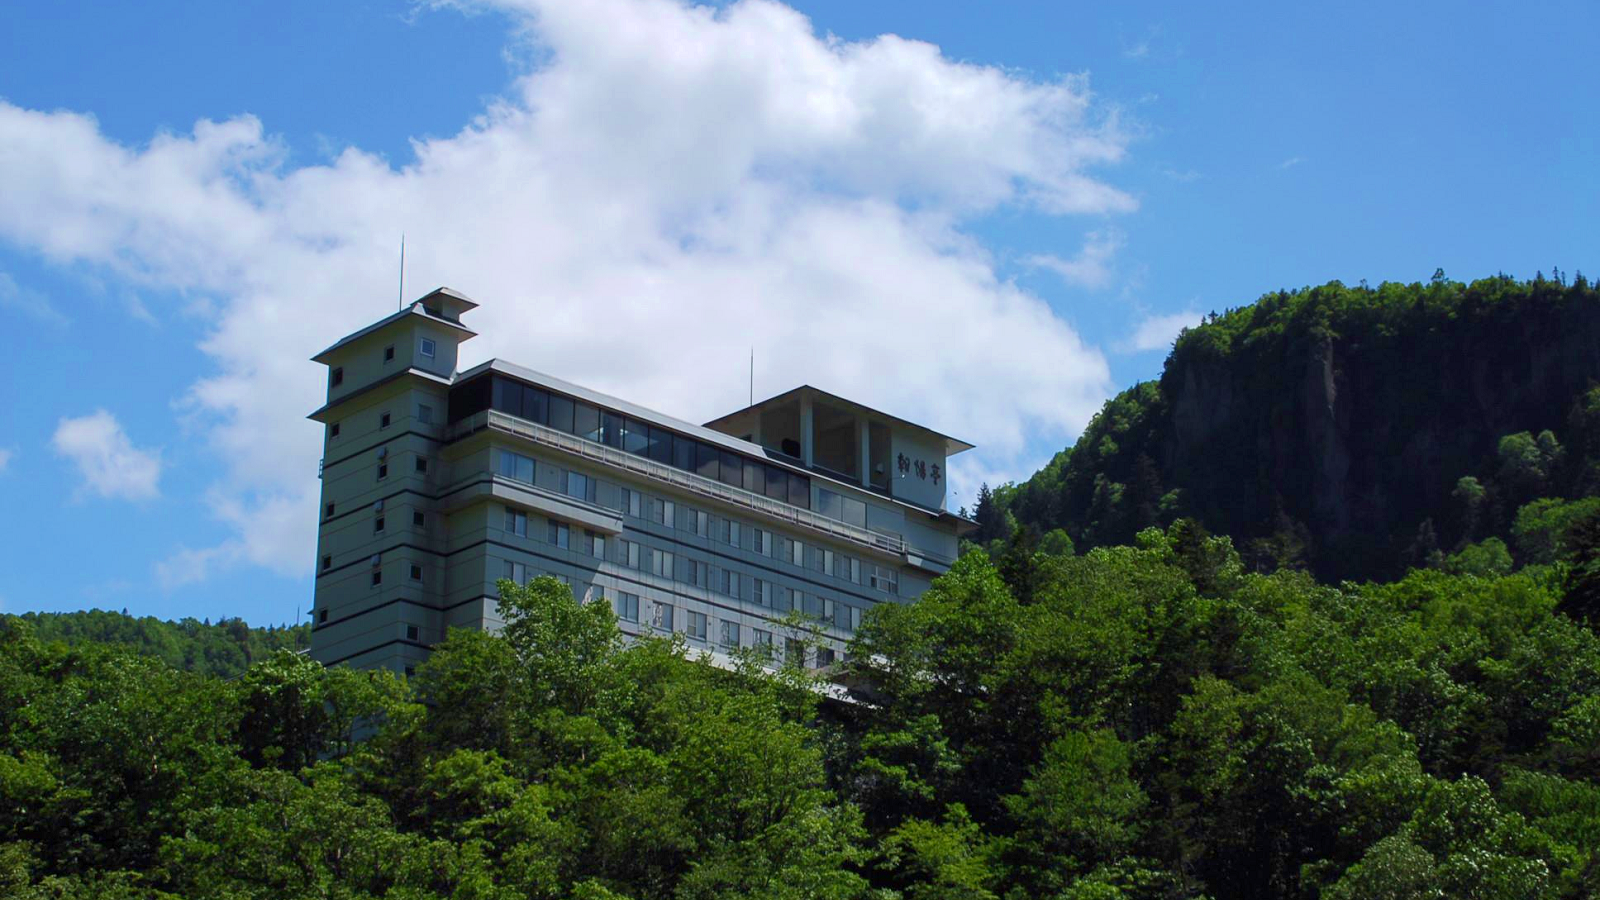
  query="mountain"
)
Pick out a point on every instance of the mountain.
point(1352, 431)
point(226, 648)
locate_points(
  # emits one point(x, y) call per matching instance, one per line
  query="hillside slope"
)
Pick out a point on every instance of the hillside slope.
point(1331, 427)
point(226, 648)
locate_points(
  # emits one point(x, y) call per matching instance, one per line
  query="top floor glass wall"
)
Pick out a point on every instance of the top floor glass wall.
point(605, 426)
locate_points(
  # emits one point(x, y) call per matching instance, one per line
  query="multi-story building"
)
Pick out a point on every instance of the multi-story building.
point(436, 484)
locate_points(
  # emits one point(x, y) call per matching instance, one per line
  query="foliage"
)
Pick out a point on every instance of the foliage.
point(224, 648)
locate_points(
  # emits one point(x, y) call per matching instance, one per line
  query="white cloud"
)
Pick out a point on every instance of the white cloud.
point(1158, 332)
point(672, 185)
point(111, 466)
point(28, 302)
point(5, 458)
point(1291, 162)
point(1091, 268)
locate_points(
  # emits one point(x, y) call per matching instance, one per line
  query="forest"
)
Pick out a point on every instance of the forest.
point(1152, 720)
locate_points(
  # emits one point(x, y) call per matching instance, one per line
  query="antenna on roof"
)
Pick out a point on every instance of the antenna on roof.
point(402, 301)
point(752, 374)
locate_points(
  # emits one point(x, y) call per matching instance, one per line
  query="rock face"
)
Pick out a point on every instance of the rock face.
point(1349, 412)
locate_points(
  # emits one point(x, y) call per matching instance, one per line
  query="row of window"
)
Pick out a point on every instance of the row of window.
point(730, 634)
point(385, 419)
point(613, 429)
point(425, 347)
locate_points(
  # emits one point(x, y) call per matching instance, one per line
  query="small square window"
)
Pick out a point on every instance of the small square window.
point(330, 511)
point(416, 572)
point(427, 347)
point(418, 519)
point(336, 376)
point(377, 525)
point(383, 471)
point(411, 671)
point(322, 616)
point(327, 563)
point(413, 632)
point(333, 430)
point(422, 464)
point(424, 414)
point(377, 577)
point(388, 353)
point(383, 421)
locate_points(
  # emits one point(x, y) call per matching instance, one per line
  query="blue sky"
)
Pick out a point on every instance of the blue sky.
point(1035, 206)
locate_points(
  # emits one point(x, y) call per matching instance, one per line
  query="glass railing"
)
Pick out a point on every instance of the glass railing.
point(688, 481)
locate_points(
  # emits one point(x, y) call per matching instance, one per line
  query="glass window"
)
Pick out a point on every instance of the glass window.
point(335, 376)
point(732, 469)
point(636, 437)
point(610, 429)
point(586, 421)
point(800, 491)
point(730, 633)
point(663, 617)
point(560, 413)
point(854, 511)
point(427, 347)
point(755, 477)
point(762, 638)
point(517, 466)
point(559, 534)
point(683, 453)
point(578, 485)
point(597, 545)
point(424, 414)
point(705, 460)
point(508, 397)
point(516, 522)
point(627, 607)
point(536, 405)
point(853, 616)
point(777, 484)
point(696, 625)
point(661, 442)
point(828, 503)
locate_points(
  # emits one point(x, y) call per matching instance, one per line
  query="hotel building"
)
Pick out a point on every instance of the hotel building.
point(438, 483)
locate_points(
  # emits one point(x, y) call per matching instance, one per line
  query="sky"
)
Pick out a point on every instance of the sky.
point(988, 218)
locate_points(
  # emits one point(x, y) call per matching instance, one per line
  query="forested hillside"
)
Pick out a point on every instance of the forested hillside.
point(1352, 431)
point(1145, 721)
point(225, 648)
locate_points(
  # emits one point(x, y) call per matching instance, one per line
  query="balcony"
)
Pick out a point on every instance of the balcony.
point(685, 481)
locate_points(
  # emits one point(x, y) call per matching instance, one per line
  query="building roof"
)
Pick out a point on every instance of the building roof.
point(415, 309)
point(952, 445)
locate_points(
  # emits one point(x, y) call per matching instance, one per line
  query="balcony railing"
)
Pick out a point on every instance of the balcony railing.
point(687, 481)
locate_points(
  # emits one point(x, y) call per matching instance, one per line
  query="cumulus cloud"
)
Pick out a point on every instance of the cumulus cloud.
point(671, 185)
point(1158, 332)
point(110, 465)
point(1091, 268)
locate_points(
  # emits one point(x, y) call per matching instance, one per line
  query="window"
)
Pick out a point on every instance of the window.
point(629, 501)
point(797, 553)
point(824, 657)
point(383, 471)
point(852, 569)
point(418, 519)
point(333, 430)
point(322, 616)
point(388, 353)
point(762, 592)
point(660, 445)
point(845, 509)
point(558, 534)
point(794, 652)
point(663, 512)
point(628, 553)
point(416, 572)
point(516, 466)
point(853, 617)
point(578, 485)
point(706, 460)
point(377, 577)
point(413, 633)
point(732, 469)
point(422, 464)
point(663, 616)
point(516, 522)
point(761, 541)
point(683, 454)
point(335, 376)
point(626, 607)
point(725, 582)
point(730, 633)
point(610, 429)
point(597, 545)
point(561, 413)
point(761, 638)
point(586, 422)
point(696, 625)
point(327, 563)
point(662, 563)
point(696, 573)
point(823, 561)
point(427, 347)
point(515, 572)
point(424, 414)
point(796, 599)
point(728, 531)
point(698, 521)
point(377, 525)
point(827, 610)
point(636, 437)
point(885, 579)
point(330, 511)
point(383, 421)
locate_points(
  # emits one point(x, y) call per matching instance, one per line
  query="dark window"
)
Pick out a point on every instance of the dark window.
point(336, 376)
point(471, 398)
point(611, 428)
point(411, 671)
point(586, 422)
point(800, 491)
point(732, 469)
point(683, 453)
point(705, 461)
point(327, 563)
point(508, 397)
point(661, 445)
point(418, 519)
point(416, 572)
point(330, 510)
point(377, 577)
point(636, 437)
point(777, 484)
point(422, 464)
point(413, 632)
point(333, 430)
point(377, 525)
point(755, 477)
point(536, 405)
point(560, 413)
point(383, 421)
point(388, 353)
point(383, 470)
point(322, 615)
